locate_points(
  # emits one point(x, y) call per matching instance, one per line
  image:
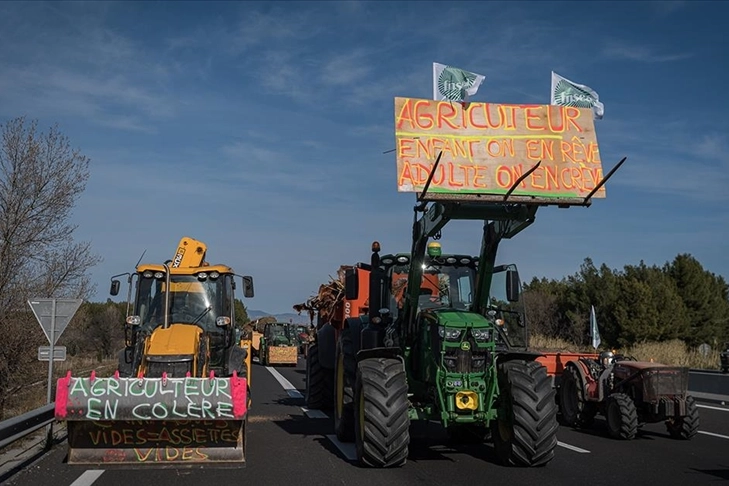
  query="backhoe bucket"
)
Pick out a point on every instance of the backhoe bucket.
point(154, 421)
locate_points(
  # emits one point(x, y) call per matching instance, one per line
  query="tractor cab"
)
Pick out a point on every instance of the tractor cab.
point(448, 283)
point(181, 321)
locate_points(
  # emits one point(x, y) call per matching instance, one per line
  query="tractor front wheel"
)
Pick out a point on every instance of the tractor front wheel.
point(525, 432)
point(622, 416)
point(382, 424)
point(685, 427)
point(345, 372)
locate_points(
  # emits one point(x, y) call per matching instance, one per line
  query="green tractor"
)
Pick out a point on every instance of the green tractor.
point(445, 340)
point(278, 345)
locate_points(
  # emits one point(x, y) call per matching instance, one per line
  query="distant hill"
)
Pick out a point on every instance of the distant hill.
point(285, 317)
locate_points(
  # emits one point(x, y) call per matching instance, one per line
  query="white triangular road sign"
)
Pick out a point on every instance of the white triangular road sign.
point(65, 310)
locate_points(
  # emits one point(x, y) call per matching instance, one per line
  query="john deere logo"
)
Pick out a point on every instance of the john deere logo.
point(453, 83)
point(567, 94)
point(465, 345)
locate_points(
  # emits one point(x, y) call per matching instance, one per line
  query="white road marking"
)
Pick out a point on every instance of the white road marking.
point(348, 449)
point(88, 477)
point(286, 384)
point(314, 413)
point(573, 448)
point(713, 408)
point(714, 435)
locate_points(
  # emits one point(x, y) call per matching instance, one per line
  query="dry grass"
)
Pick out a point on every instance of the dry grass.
point(34, 394)
point(674, 352)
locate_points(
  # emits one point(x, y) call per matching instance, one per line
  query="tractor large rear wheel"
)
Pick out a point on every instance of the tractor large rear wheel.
point(576, 410)
point(318, 381)
point(685, 427)
point(345, 373)
point(622, 416)
point(525, 433)
point(382, 424)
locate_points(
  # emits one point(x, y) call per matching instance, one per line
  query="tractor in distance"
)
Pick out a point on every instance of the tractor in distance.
point(278, 345)
point(628, 393)
point(180, 394)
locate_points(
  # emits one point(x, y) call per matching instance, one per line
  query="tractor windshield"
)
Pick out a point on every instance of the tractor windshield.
point(192, 301)
point(446, 282)
point(280, 334)
point(509, 315)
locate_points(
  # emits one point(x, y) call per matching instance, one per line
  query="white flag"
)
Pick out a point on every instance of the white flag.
point(454, 84)
point(567, 93)
point(594, 331)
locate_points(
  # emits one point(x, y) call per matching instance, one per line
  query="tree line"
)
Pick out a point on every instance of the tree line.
point(640, 303)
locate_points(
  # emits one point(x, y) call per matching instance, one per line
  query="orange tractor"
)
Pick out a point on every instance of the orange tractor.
point(330, 309)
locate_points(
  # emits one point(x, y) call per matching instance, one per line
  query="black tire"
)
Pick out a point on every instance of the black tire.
point(684, 428)
point(575, 409)
point(382, 428)
point(525, 432)
point(318, 382)
point(345, 373)
point(125, 369)
point(621, 416)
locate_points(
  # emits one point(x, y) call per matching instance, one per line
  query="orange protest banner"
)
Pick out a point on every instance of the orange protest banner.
point(487, 147)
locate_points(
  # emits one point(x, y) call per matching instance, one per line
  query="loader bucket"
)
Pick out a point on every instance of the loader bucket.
point(154, 421)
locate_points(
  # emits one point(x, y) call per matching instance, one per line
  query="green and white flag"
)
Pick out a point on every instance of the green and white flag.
point(453, 84)
point(567, 93)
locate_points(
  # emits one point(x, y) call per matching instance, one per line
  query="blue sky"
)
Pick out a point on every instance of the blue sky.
point(260, 128)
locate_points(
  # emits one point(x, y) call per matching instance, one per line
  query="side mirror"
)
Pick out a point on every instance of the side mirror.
point(351, 284)
point(512, 286)
point(248, 286)
point(114, 287)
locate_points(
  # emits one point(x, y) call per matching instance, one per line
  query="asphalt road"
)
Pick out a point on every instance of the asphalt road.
point(289, 446)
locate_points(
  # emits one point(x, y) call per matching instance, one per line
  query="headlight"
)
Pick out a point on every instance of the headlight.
point(202, 276)
point(449, 334)
point(214, 275)
point(481, 334)
point(134, 320)
point(402, 259)
point(158, 274)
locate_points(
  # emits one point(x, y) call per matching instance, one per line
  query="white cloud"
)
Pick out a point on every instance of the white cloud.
point(623, 51)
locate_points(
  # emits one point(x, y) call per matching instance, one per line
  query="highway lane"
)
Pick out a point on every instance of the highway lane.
point(286, 446)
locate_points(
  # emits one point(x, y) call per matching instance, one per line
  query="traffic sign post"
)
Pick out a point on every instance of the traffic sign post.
point(53, 316)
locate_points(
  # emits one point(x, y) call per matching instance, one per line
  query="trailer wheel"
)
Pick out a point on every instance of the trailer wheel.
point(345, 372)
point(685, 427)
point(576, 410)
point(382, 424)
point(622, 416)
point(318, 381)
point(525, 432)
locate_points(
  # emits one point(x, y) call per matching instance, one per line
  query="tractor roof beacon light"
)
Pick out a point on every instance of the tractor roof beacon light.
point(434, 249)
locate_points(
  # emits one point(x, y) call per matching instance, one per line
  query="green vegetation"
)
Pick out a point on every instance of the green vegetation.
point(638, 305)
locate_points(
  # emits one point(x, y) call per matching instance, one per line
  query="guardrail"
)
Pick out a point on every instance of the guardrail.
point(18, 427)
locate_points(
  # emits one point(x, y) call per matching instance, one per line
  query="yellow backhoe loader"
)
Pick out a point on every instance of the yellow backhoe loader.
point(181, 392)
